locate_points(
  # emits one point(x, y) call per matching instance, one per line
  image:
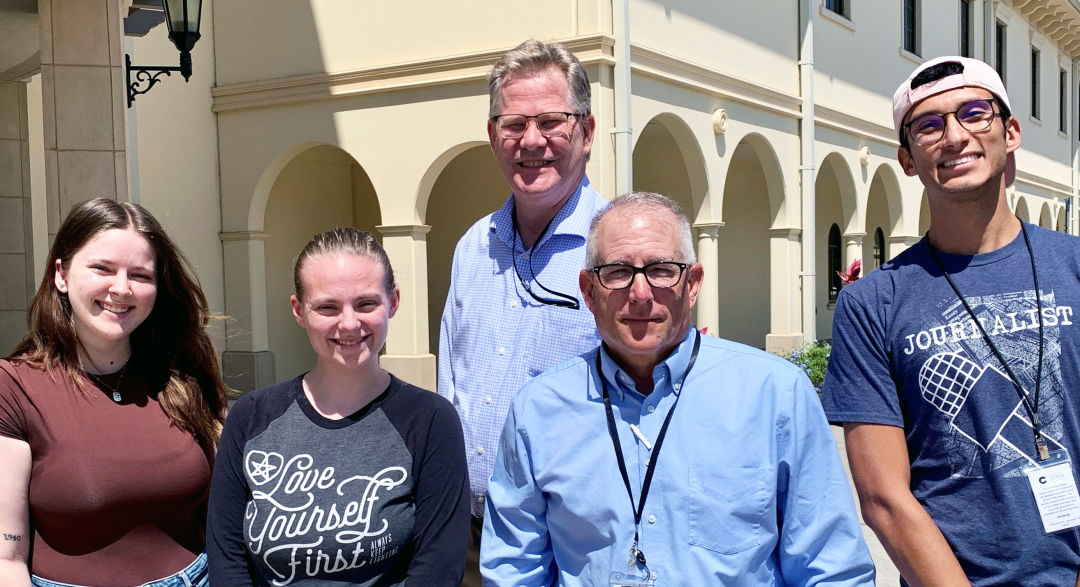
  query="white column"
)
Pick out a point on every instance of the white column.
point(853, 249)
point(407, 347)
point(247, 362)
point(708, 304)
point(83, 99)
point(785, 290)
point(16, 234)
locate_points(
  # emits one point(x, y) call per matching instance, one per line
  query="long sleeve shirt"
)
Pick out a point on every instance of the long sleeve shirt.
point(748, 488)
point(494, 336)
point(376, 498)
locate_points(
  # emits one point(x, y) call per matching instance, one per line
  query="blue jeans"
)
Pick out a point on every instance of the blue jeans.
point(193, 575)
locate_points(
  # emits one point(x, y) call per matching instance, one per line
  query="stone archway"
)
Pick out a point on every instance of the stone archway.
point(319, 188)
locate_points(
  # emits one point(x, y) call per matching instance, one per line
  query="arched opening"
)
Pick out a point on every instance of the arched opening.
point(836, 262)
point(1044, 216)
point(320, 188)
point(835, 195)
point(744, 255)
point(880, 251)
point(469, 187)
point(1021, 209)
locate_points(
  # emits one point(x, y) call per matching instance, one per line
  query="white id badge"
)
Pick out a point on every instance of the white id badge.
point(630, 579)
point(1054, 488)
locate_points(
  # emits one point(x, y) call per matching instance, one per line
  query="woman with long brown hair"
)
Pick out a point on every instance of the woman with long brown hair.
point(110, 410)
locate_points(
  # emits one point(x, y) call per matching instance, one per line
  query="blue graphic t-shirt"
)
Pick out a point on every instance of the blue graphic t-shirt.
point(907, 353)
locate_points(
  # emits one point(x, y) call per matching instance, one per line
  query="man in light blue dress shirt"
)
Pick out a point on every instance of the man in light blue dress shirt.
point(513, 309)
point(742, 482)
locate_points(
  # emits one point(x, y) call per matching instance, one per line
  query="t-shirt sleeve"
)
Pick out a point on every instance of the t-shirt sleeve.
point(226, 551)
point(441, 531)
point(859, 386)
point(12, 405)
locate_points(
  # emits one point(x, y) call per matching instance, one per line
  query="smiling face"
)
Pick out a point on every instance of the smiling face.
point(111, 284)
point(546, 171)
point(962, 162)
point(641, 324)
point(345, 309)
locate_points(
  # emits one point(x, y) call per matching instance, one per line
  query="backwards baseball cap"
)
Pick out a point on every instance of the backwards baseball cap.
point(968, 73)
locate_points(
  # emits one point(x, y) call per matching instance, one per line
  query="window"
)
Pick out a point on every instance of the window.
point(835, 261)
point(838, 6)
point(999, 49)
point(966, 33)
point(1063, 99)
point(911, 26)
point(1035, 83)
point(879, 248)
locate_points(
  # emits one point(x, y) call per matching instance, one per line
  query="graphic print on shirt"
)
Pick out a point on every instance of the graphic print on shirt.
point(306, 521)
point(985, 426)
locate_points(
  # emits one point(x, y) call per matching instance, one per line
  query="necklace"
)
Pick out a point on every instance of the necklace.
point(115, 389)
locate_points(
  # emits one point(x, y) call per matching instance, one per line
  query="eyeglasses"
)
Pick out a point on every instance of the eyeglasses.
point(550, 124)
point(974, 116)
point(662, 274)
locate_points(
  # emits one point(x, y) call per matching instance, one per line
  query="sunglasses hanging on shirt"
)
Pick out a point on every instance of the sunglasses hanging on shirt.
point(564, 300)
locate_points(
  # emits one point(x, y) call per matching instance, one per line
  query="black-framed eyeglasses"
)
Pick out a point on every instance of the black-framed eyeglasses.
point(549, 124)
point(974, 116)
point(661, 274)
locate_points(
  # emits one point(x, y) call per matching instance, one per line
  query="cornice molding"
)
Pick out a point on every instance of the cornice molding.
point(679, 71)
point(468, 67)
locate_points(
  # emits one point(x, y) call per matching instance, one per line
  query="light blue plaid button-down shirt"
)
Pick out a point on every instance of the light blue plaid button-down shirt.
point(494, 336)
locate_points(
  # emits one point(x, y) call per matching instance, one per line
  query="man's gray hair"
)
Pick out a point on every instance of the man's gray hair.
point(643, 201)
point(534, 56)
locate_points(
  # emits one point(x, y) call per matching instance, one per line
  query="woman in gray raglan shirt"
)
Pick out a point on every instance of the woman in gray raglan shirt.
point(346, 474)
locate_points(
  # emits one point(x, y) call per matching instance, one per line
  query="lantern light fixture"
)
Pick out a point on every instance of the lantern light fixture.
point(183, 19)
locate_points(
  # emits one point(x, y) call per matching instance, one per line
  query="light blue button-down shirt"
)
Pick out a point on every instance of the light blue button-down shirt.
point(748, 488)
point(494, 336)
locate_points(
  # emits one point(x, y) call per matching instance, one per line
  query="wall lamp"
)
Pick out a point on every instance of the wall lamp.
point(182, 18)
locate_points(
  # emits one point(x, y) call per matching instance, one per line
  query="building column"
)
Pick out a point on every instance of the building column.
point(247, 362)
point(408, 354)
point(899, 243)
point(83, 103)
point(708, 304)
point(853, 249)
point(785, 287)
point(16, 235)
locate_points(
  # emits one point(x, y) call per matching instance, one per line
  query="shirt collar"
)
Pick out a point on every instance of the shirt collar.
point(619, 381)
point(571, 219)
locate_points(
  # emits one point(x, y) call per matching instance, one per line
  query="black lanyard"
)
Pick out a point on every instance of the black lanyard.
point(613, 431)
point(1031, 404)
point(565, 300)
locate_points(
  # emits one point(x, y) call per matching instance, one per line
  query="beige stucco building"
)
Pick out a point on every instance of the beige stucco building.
point(769, 121)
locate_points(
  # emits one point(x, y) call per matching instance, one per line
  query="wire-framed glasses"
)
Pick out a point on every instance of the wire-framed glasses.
point(661, 274)
point(974, 116)
point(549, 124)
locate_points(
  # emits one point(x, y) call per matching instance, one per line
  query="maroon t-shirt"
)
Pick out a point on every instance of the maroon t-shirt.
point(117, 493)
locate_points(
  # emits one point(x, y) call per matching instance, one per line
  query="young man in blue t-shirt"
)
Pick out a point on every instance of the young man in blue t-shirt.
point(955, 366)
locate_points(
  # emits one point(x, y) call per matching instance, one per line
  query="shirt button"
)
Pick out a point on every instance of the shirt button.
point(677, 386)
point(488, 400)
point(480, 500)
point(525, 256)
point(513, 304)
point(502, 351)
point(479, 450)
point(652, 409)
point(653, 575)
point(652, 519)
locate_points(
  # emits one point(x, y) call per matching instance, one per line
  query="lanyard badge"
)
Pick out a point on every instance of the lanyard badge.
point(637, 557)
point(1054, 488)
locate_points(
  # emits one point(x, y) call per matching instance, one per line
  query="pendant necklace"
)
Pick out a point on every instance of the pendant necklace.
point(115, 389)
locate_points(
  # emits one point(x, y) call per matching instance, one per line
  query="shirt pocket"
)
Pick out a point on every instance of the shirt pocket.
point(727, 507)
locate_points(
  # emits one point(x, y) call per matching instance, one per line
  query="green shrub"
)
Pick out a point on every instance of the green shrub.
point(813, 358)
